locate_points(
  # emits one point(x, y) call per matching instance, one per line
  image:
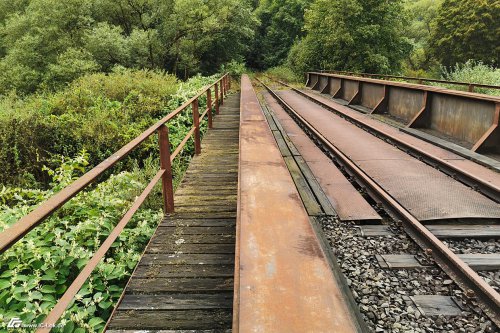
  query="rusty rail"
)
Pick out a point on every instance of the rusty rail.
point(15, 232)
point(419, 80)
point(459, 271)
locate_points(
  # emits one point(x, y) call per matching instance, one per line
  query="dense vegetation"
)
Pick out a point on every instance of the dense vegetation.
point(81, 78)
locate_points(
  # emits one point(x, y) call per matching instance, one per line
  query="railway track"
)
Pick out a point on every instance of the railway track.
point(440, 235)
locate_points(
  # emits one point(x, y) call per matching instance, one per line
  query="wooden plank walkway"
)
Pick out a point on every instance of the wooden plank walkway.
point(184, 281)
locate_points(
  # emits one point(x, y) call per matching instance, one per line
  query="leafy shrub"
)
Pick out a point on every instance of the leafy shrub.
point(235, 69)
point(284, 73)
point(98, 112)
point(473, 72)
point(37, 270)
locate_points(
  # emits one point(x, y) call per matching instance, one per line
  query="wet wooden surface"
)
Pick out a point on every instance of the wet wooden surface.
point(184, 281)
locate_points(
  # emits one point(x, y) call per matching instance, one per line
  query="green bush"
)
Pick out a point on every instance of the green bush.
point(473, 72)
point(98, 112)
point(235, 69)
point(284, 73)
point(38, 269)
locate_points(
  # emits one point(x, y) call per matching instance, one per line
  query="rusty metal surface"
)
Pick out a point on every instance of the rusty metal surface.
point(285, 282)
point(423, 190)
point(463, 118)
point(470, 86)
point(487, 181)
point(468, 280)
point(345, 199)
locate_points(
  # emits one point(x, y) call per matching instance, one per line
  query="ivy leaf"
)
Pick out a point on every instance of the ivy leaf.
point(95, 321)
point(48, 289)
point(70, 326)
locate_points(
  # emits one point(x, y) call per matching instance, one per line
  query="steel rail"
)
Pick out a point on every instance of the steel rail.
point(483, 186)
point(471, 86)
point(466, 278)
point(15, 232)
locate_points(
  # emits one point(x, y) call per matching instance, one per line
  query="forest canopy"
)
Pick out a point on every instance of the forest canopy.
point(46, 44)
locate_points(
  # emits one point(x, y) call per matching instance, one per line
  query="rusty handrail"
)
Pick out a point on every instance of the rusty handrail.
point(11, 235)
point(420, 80)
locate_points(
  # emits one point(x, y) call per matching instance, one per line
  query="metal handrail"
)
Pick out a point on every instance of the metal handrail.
point(420, 80)
point(15, 232)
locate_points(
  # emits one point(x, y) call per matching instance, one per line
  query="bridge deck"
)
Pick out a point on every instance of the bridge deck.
point(184, 281)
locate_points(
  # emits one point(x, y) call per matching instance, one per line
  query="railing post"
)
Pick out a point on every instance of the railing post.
point(228, 82)
point(209, 107)
point(216, 98)
point(222, 91)
point(196, 124)
point(165, 164)
point(471, 88)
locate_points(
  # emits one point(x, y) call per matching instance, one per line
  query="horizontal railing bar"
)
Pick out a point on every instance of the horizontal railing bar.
point(182, 144)
point(15, 232)
point(75, 286)
point(478, 85)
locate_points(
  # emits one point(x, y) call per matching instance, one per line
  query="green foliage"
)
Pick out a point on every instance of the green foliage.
point(467, 29)
point(235, 69)
point(37, 270)
point(284, 73)
point(98, 112)
point(354, 35)
point(473, 72)
point(421, 15)
point(281, 23)
point(48, 43)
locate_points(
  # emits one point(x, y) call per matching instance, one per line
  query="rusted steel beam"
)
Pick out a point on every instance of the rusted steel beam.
point(462, 116)
point(166, 166)
point(491, 130)
point(420, 80)
point(276, 290)
point(75, 286)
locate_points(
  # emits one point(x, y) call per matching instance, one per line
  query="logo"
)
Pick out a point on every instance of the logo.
point(14, 323)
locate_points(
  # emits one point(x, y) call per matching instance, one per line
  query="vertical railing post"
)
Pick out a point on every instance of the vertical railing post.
point(196, 124)
point(471, 88)
point(228, 82)
point(221, 92)
point(216, 98)
point(165, 164)
point(209, 106)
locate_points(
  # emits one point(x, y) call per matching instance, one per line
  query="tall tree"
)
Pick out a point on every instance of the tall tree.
point(467, 30)
point(281, 23)
point(357, 35)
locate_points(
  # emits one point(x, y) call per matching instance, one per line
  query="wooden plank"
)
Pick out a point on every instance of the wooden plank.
point(190, 248)
point(375, 230)
point(477, 261)
point(189, 285)
point(283, 147)
point(177, 302)
point(187, 259)
point(183, 271)
point(305, 192)
point(171, 222)
point(464, 230)
point(182, 319)
point(315, 186)
point(164, 237)
point(435, 305)
point(195, 230)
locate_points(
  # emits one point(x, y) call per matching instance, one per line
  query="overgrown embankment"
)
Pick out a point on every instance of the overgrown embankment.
point(49, 140)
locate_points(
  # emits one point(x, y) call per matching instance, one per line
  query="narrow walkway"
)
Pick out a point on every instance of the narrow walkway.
point(185, 279)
